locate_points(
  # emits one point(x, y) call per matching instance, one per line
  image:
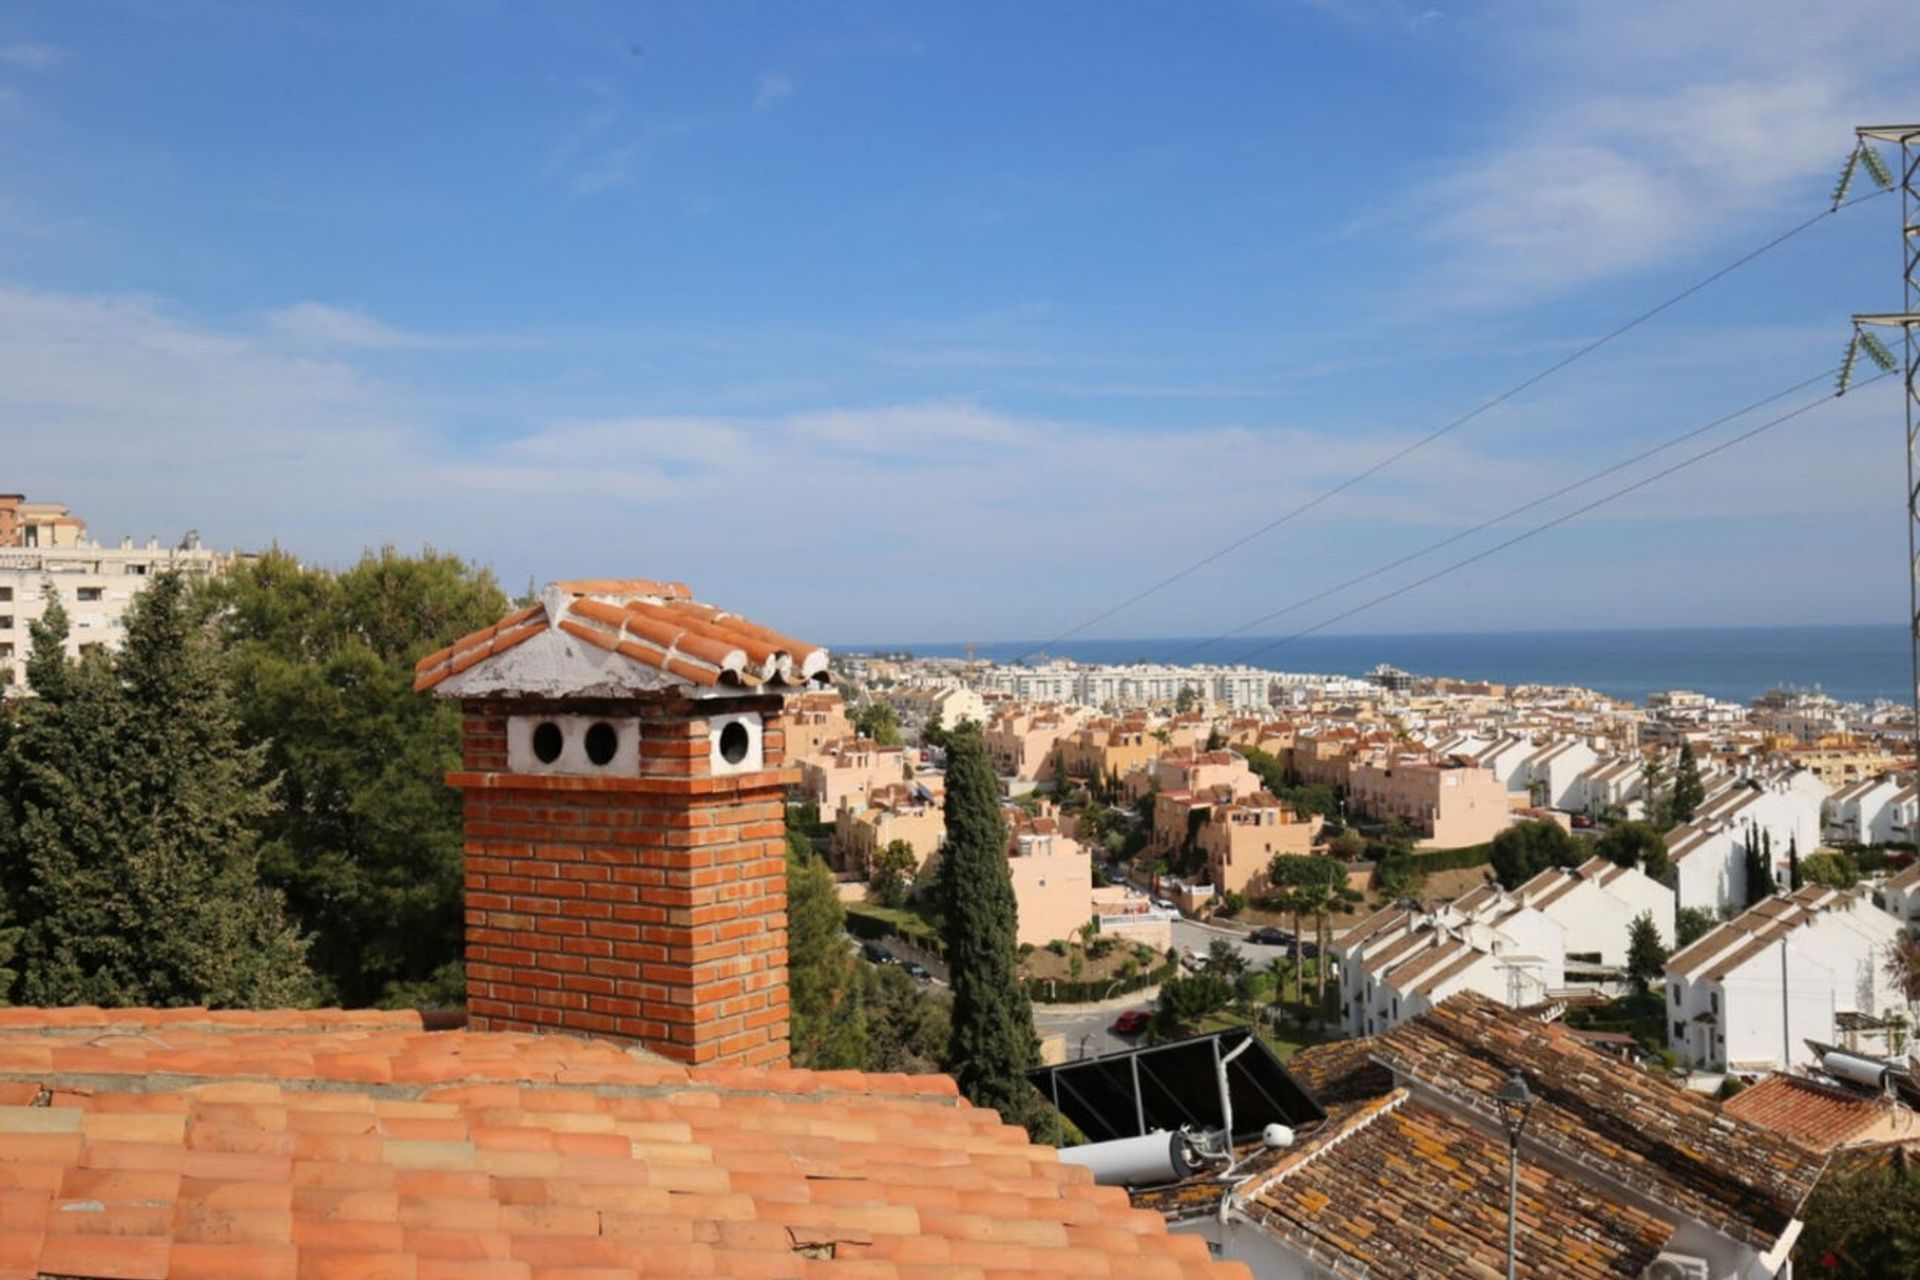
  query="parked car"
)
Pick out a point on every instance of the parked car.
point(1582, 821)
point(1270, 937)
point(917, 971)
point(876, 953)
point(1165, 905)
point(1132, 1022)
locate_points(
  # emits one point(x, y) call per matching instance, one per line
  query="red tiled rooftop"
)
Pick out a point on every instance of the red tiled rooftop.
point(144, 1144)
point(1811, 1114)
point(656, 624)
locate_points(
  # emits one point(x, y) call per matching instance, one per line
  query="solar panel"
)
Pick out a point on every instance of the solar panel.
point(1177, 1084)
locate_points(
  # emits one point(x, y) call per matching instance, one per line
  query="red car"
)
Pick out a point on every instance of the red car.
point(1132, 1022)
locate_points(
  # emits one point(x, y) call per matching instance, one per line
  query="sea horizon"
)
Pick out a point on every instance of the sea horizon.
point(1852, 662)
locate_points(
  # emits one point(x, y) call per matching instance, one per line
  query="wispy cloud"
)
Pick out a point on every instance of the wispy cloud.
point(773, 87)
point(317, 325)
point(1640, 130)
point(31, 56)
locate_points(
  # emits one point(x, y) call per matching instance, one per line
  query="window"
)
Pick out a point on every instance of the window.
point(1676, 997)
point(87, 595)
point(6, 594)
point(1714, 998)
point(6, 622)
point(1679, 1031)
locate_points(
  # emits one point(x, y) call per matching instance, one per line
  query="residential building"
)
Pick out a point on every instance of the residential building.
point(1108, 748)
point(1751, 993)
point(1052, 879)
point(1901, 893)
point(1614, 783)
point(1408, 1175)
point(1595, 905)
point(1452, 803)
point(45, 554)
point(814, 720)
point(1863, 812)
point(918, 705)
point(846, 772)
point(1821, 1112)
point(1548, 776)
point(894, 812)
point(1243, 836)
point(1781, 810)
point(1132, 917)
point(1021, 740)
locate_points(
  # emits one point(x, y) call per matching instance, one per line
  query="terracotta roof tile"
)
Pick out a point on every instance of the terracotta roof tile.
point(1812, 1114)
point(254, 1145)
point(658, 625)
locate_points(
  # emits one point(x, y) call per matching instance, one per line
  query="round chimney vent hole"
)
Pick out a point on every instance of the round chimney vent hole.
point(547, 742)
point(602, 742)
point(734, 741)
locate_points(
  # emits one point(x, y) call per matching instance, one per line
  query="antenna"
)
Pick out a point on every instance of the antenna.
point(1907, 138)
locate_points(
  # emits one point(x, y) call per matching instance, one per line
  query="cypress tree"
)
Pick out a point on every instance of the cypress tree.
point(132, 812)
point(1793, 862)
point(991, 1045)
point(1759, 870)
point(1646, 957)
point(1688, 790)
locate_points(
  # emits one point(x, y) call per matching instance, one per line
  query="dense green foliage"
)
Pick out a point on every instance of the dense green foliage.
point(1835, 870)
point(1690, 924)
point(1863, 1223)
point(822, 974)
point(366, 841)
point(1185, 1001)
point(1525, 849)
point(1688, 788)
point(1646, 956)
point(1635, 844)
point(892, 873)
point(128, 820)
point(992, 1044)
point(877, 720)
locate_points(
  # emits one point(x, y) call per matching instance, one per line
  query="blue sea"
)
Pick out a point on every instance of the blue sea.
point(1851, 663)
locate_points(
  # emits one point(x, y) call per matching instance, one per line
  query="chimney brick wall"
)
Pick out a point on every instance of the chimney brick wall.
point(651, 907)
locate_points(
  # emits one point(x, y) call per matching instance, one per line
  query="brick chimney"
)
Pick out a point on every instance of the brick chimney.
point(625, 781)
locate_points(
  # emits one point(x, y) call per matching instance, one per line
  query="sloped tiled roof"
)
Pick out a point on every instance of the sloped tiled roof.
point(1634, 1127)
point(1407, 1190)
point(143, 1145)
point(1815, 1115)
point(656, 624)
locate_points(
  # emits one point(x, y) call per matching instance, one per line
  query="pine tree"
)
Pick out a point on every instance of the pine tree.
point(1793, 862)
point(1646, 956)
point(826, 1027)
point(992, 1044)
point(1688, 790)
point(131, 816)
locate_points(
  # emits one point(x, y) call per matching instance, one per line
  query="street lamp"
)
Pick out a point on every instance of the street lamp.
point(1515, 1100)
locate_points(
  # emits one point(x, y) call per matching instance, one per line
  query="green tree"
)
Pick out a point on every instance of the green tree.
point(1185, 1002)
point(1525, 849)
point(892, 873)
point(1758, 867)
point(1902, 964)
point(825, 1019)
point(992, 1044)
point(367, 840)
point(1635, 844)
point(1307, 886)
point(1688, 790)
point(1794, 880)
point(906, 1029)
point(1860, 1221)
point(1653, 793)
point(933, 733)
point(876, 720)
point(1646, 956)
point(131, 811)
point(1183, 701)
point(1834, 870)
point(1225, 959)
point(1690, 924)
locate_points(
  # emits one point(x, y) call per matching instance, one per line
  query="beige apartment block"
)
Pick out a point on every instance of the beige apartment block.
point(45, 554)
point(891, 813)
point(1451, 804)
point(1021, 740)
point(1052, 880)
point(814, 720)
point(1242, 838)
point(846, 772)
point(1109, 748)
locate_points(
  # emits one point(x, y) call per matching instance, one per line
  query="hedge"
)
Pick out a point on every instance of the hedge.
point(1472, 855)
point(1066, 991)
point(875, 923)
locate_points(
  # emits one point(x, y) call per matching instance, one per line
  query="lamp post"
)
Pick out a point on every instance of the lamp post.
point(1514, 1100)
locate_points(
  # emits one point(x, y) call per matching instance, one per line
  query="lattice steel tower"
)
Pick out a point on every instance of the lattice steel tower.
point(1907, 320)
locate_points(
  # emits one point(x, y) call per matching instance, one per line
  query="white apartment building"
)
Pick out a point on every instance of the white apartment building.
point(1142, 685)
point(45, 553)
point(1750, 994)
point(1709, 853)
point(1548, 775)
point(1902, 895)
point(1596, 904)
point(1867, 811)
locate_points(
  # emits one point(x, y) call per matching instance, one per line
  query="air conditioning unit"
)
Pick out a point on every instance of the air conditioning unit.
point(734, 744)
point(1679, 1266)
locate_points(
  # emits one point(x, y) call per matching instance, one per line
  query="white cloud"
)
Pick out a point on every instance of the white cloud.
point(30, 55)
point(773, 87)
point(317, 325)
point(1640, 130)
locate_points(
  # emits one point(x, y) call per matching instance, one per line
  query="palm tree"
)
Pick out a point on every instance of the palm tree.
point(1340, 896)
point(1903, 966)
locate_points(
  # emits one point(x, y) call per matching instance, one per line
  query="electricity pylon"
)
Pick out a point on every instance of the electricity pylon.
point(1906, 320)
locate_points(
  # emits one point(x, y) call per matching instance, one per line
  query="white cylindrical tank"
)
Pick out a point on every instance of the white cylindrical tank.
point(1160, 1156)
point(1855, 1069)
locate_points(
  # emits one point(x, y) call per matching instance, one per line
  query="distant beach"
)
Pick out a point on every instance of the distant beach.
point(1850, 663)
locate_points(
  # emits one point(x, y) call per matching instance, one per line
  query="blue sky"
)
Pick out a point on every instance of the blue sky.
point(929, 322)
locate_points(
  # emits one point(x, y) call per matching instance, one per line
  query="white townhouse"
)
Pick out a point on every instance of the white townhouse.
point(1400, 962)
point(1547, 776)
point(1863, 812)
point(1507, 757)
point(1709, 853)
point(1807, 966)
point(1596, 903)
point(1609, 783)
point(1901, 893)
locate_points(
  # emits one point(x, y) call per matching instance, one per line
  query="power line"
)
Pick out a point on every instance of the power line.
point(1456, 423)
point(1545, 525)
point(1502, 518)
